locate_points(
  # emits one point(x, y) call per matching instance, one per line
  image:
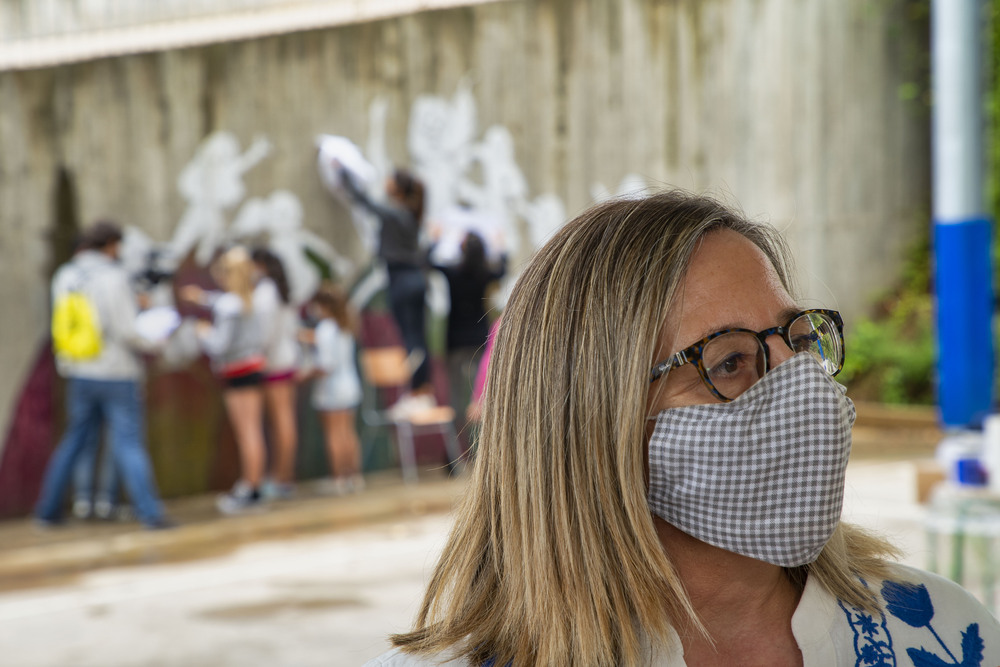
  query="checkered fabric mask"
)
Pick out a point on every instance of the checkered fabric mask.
point(763, 475)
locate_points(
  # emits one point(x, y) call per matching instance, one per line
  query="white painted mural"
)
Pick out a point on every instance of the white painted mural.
point(212, 183)
point(473, 183)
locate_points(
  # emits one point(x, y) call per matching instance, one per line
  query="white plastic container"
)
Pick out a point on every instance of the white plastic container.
point(956, 446)
point(991, 451)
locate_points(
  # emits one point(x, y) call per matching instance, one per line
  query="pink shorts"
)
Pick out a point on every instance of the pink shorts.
point(279, 376)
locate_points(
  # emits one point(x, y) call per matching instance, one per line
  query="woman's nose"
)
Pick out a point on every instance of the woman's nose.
point(778, 351)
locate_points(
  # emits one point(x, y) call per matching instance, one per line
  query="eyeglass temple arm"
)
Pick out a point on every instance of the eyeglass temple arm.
point(665, 366)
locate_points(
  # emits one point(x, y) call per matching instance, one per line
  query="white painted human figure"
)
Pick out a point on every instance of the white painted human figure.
point(441, 142)
point(279, 218)
point(503, 191)
point(333, 150)
point(454, 223)
point(212, 183)
point(482, 175)
point(632, 185)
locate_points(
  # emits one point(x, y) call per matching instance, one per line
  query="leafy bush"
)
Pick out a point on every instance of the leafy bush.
point(890, 357)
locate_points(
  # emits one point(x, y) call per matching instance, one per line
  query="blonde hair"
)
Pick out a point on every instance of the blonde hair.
point(554, 558)
point(234, 272)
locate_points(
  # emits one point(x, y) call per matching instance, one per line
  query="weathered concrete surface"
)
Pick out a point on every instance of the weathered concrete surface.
point(43, 33)
point(324, 598)
point(792, 108)
point(32, 556)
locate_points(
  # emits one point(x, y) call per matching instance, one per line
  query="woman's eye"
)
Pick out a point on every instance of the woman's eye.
point(730, 365)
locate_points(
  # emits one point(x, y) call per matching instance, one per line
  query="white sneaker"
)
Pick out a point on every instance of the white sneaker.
point(332, 486)
point(82, 509)
point(241, 499)
point(408, 405)
point(356, 483)
point(103, 509)
point(273, 490)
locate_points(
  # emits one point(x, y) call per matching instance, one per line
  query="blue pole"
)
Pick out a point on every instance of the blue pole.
point(962, 230)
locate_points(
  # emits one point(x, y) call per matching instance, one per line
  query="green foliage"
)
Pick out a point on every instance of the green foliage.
point(890, 358)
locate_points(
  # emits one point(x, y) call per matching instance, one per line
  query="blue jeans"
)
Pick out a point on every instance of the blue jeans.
point(90, 483)
point(406, 300)
point(88, 402)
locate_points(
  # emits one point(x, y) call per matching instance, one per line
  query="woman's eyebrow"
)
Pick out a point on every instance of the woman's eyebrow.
point(789, 313)
point(783, 317)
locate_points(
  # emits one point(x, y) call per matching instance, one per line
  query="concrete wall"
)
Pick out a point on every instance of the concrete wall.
point(41, 33)
point(790, 107)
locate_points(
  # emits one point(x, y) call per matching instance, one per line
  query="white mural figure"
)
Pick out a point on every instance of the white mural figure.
point(334, 150)
point(504, 192)
point(279, 219)
point(545, 215)
point(457, 221)
point(471, 185)
point(441, 135)
point(375, 148)
point(632, 185)
point(212, 183)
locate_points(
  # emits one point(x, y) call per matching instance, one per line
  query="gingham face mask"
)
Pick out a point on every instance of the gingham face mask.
point(763, 475)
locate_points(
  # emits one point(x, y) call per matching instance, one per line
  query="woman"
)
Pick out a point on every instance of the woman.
point(399, 232)
point(468, 325)
point(234, 342)
point(280, 319)
point(661, 467)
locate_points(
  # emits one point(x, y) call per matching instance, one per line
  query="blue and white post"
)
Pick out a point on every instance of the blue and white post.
point(962, 229)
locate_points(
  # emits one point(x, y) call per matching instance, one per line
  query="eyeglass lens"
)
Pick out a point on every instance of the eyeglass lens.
point(735, 361)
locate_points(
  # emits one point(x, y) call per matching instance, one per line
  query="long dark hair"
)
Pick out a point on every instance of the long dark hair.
point(411, 192)
point(473, 261)
point(273, 269)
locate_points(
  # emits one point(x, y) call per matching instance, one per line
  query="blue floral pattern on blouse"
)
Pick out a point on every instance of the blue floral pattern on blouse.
point(911, 604)
point(872, 641)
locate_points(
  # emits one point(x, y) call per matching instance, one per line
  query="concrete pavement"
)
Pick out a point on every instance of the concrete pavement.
point(31, 557)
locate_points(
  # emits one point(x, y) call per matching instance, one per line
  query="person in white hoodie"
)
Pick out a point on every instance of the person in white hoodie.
point(95, 487)
point(106, 387)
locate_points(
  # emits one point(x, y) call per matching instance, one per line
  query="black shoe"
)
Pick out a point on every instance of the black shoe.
point(45, 525)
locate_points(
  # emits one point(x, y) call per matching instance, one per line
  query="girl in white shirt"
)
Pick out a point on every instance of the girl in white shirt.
point(337, 389)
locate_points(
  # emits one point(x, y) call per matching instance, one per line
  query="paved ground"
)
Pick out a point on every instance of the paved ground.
point(326, 599)
point(30, 556)
point(315, 581)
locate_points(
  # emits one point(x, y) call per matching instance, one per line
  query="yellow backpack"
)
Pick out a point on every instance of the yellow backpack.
point(76, 328)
